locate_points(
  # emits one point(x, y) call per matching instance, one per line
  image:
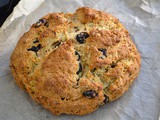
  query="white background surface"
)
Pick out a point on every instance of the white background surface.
point(140, 17)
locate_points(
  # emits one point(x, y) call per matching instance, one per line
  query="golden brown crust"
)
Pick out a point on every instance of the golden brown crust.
point(70, 76)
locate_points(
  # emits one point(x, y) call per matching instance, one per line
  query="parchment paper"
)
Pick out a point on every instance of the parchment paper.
point(141, 102)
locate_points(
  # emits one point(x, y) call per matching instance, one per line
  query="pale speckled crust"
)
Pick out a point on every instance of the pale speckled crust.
point(49, 75)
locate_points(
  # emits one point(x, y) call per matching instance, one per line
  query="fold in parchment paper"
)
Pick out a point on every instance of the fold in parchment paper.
point(24, 7)
point(140, 17)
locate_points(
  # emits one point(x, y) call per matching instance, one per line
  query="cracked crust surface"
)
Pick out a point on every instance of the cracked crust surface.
point(66, 76)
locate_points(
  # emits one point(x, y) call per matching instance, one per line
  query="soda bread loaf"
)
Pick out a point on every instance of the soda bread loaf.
point(73, 63)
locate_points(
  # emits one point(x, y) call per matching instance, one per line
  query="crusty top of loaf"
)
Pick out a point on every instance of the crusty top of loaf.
point(67, 76)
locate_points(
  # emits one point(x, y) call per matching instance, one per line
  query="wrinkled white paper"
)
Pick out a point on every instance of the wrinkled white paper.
point(141, 102)
point(24, 7)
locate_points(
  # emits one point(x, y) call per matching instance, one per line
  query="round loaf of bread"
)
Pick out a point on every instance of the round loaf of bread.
point(73, 63)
